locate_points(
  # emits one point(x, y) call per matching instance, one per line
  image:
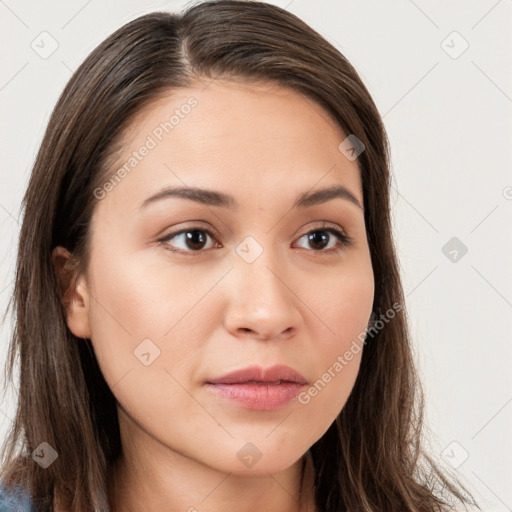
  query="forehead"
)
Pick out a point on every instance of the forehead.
point(228, 100)
point(233, 135)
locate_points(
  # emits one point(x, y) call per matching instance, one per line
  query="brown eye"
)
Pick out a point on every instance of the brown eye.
point(191, 240)
point(325, 240)
point(195, 240)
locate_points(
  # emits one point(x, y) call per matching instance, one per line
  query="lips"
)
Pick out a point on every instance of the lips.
point(256, 388)
point(257, 375)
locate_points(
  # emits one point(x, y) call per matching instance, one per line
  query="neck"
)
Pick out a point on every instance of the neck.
point(142, 482)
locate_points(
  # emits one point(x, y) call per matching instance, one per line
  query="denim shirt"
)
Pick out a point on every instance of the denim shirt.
point(14, 500)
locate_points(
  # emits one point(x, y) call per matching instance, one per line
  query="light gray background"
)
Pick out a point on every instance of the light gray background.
point(449, 120)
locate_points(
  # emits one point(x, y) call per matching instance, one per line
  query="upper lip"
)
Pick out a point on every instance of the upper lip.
point(257, 374)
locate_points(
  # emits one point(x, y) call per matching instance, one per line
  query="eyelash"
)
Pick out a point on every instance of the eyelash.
point(343, 239)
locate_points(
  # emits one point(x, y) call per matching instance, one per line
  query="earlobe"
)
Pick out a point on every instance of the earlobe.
point(78, 311)
point(73, 291)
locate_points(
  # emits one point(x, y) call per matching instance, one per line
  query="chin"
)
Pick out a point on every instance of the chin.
point(257, 459)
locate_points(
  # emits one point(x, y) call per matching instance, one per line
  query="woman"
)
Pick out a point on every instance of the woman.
point(215, 310)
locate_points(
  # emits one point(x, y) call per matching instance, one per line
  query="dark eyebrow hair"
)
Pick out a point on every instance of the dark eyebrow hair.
point(214, 198)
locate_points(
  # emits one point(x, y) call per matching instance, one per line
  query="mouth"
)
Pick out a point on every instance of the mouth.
point(276, 374)
point(257, 388)
point(266, 383)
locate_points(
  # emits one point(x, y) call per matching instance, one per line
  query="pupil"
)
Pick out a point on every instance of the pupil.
point(317, 237)
point(195, 239)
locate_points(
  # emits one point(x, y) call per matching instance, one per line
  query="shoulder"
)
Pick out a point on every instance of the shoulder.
point(14, 499)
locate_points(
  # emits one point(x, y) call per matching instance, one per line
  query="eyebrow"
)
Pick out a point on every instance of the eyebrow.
point(215, 198)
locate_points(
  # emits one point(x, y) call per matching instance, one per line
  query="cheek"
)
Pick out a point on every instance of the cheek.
point(343, 303)
point(133, 301)
point(345, 309)
point(141, 322)
point(141, 294)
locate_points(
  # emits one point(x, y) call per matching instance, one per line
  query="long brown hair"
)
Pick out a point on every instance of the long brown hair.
point(372, 457)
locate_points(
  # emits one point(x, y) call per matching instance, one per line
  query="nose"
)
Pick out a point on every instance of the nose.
point(262, 303)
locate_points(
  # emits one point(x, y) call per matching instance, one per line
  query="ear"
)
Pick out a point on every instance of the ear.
point(73, 292)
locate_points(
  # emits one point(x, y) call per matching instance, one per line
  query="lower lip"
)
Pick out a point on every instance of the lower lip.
point(260, 397)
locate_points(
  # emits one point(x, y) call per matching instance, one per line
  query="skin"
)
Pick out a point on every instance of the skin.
point(211, 312)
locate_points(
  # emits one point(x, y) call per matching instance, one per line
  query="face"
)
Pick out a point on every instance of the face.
point(185, 288)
